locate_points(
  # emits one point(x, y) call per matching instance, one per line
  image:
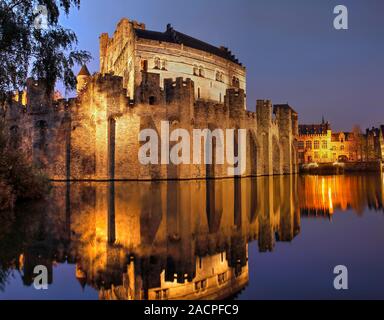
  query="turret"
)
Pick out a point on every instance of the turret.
point(82, 78)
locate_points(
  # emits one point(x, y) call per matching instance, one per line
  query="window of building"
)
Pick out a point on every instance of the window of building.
point(317, 145)
point(201, 285)
point(219, 76)
point(308, 145)
point(198, 93)
point(325, 156)
point(342, 148)
point(195, 70)
point(164, 65)
point(316, 155)
point(201, 71)
point(162, 294)
point(301, 144)
point(157, 63)
point(235, 82)
point(144, 65)
point(152, 100)
point(324, 145)
point(221, 278)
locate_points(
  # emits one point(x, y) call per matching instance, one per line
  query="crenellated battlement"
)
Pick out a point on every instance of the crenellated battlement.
point(178, 90)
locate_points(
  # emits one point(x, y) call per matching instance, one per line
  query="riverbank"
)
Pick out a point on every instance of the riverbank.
point(341, 168)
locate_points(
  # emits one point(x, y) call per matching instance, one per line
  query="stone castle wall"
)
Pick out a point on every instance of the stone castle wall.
point(95, 136)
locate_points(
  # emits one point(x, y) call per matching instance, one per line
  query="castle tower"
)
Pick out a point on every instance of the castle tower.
point(82, 78)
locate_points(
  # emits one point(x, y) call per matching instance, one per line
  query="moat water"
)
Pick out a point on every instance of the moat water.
point(262, 238)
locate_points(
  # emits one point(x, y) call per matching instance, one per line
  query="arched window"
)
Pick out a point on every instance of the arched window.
point(195, 70)
point(235, 82)
point(157, 63)
point(164, 65)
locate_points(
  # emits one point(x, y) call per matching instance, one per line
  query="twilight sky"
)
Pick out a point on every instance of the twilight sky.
point(290, 48)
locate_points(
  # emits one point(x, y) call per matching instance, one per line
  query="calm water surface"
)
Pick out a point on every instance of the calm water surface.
point(262, 238)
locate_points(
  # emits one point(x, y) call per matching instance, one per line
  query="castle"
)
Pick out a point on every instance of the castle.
point(145, 78)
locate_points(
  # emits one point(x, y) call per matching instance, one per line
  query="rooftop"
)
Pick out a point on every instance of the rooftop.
point(314, 128)
point(84, 71)
point(173, 36)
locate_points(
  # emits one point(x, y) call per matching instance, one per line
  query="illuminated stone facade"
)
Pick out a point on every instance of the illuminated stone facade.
point(317, 143)
point(146, 78)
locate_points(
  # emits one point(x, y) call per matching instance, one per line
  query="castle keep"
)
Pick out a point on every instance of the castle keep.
point(145, 78)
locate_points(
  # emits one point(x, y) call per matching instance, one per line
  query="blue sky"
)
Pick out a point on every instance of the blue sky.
point(290, 48)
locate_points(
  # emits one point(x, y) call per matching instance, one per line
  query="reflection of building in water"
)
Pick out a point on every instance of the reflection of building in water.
point(321, 196)
point(186, 240)
point(168, 240)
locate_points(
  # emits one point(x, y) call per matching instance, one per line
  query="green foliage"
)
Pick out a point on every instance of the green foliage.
point(18, 179)
point(25, 50)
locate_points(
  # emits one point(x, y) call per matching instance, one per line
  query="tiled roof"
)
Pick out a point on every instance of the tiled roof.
point(173, 36)
point(314, 129)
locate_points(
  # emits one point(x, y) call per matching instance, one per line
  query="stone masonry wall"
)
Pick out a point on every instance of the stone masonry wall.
point(96, 135)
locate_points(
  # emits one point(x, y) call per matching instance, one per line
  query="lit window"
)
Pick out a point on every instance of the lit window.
point(317, 145)
point(324, 145)
point(308, 145)
point(301, 144)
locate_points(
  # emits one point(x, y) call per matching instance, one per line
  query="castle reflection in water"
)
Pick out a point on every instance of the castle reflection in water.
point(171, 240)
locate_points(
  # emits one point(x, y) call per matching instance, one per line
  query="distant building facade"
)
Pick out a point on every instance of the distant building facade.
point(317, 143)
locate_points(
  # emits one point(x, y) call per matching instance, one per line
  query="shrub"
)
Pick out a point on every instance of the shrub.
point(19, 180)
